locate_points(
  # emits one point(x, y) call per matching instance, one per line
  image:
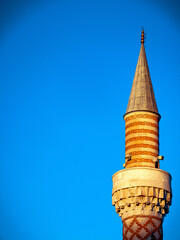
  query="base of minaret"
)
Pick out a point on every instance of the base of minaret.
point(142, 227)
point(142, 197)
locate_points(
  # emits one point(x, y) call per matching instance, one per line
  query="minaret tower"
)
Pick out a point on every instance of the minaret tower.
point(142, 191)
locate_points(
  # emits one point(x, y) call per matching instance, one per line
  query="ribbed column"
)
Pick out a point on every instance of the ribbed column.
point(142, 139)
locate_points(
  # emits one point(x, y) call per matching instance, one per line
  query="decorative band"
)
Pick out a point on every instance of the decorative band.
point(142, 138)
point(142, 153)
point(140, 123)
point(142, 116)
point(142, 145)
point(142, 131)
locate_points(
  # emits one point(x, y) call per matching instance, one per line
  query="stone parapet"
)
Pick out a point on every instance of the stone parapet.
point(140, 189)
point(141, 176)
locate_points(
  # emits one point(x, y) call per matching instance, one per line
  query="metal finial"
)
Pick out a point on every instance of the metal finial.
point(142, 37)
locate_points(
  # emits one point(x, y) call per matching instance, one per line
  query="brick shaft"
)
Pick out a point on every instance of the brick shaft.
point(142, 139)
point(142, 227)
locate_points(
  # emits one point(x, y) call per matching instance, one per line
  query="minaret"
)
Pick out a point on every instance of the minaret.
point(142, 192)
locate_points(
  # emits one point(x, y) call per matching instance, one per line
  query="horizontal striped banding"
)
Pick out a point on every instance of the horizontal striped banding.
point(143, 153)
point(148, 116)
point(142, 131)
point(142, 145)
point(139, 163)
point(142, 124)
point(140, 160)
point(142, 138)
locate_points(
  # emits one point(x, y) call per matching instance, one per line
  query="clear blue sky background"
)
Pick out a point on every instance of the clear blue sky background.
point(66, 70)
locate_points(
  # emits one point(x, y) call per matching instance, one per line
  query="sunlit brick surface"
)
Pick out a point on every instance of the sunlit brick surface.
point(142, 138)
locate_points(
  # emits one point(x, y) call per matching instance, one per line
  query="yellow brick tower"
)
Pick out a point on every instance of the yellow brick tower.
point(142, 192)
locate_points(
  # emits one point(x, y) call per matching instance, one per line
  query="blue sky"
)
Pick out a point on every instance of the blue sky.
point(66, 73)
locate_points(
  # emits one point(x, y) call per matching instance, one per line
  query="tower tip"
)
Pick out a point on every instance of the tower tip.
point(142, 37)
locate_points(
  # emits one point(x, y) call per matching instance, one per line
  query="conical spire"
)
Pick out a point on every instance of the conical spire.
point(142, 95)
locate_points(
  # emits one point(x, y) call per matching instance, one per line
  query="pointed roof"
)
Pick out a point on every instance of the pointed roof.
point(142, 95)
